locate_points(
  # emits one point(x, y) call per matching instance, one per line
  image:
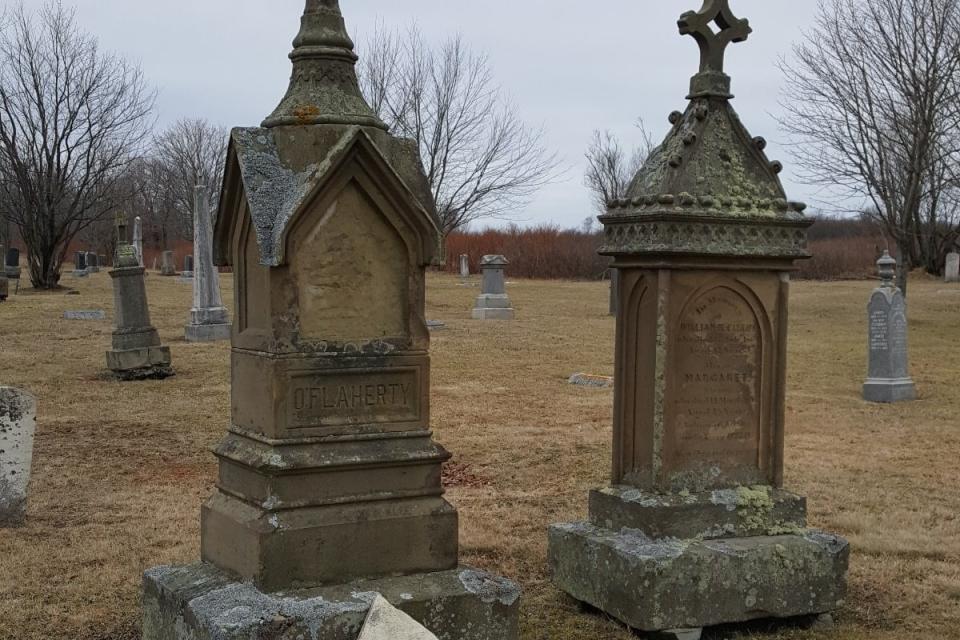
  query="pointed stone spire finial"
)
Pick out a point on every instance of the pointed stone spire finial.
point(324, 87)
point(714, 27)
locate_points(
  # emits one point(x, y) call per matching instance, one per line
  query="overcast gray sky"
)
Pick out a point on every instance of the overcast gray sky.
point(571, 66)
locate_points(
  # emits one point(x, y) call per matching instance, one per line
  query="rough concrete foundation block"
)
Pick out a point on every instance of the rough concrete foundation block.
point(660, 584)
point(894, 390)
point(201, 602)
point(140, 364)
point(207, 332)
point(724, 513)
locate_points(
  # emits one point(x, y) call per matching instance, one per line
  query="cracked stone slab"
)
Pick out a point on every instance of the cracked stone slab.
point(202, 602)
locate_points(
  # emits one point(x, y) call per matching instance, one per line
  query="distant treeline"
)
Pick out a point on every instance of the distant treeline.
point(842, 248)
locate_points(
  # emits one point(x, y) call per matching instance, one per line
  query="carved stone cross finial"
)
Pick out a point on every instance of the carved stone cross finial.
point(713, 43)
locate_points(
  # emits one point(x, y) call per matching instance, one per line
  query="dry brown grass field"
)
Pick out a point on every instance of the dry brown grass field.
point(120, 469)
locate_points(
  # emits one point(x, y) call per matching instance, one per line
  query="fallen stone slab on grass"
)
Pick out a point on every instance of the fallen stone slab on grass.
point(587, 380)
point(97, 314)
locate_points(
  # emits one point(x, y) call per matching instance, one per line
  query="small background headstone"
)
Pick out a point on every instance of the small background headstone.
point(436, 325)
point(493, 302)
point(888, 379)
point(952, 271)
point(18, 420)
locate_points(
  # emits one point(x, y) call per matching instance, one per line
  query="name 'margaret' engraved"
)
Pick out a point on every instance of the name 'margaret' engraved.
point(717, 359)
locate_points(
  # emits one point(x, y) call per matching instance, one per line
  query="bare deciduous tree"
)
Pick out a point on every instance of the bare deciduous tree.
point(610, 169)
point(72, 118)
point(873, 105)
point(480, 158)
point(188, 154)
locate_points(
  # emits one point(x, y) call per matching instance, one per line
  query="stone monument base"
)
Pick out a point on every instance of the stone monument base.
point(202, 602)
point(207, 332)
point(675, 563)
point(493, 307)
point(140, 364)
point(889, 390)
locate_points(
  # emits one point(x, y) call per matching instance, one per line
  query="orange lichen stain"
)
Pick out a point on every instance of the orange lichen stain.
point(306, 113)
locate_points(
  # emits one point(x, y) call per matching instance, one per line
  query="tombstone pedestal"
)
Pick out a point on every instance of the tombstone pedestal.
point(137, 353)
point(681, 561)
point(191, 603)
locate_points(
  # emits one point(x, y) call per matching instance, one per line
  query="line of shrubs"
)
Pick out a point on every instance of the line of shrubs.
point(842, 249)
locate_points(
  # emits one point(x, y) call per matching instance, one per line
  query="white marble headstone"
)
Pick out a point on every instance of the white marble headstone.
point(18, 421)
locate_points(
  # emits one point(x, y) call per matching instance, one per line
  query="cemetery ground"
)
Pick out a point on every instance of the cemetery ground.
point(120, 469)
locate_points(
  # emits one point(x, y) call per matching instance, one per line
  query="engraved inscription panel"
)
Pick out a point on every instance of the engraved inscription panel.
point(353, 398)
point(718, 364)
point(352, 274)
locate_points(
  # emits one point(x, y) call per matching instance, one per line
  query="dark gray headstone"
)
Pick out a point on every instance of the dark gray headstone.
point(80, 261)
point(888, 379)
point(12, 257)
point(188, 264)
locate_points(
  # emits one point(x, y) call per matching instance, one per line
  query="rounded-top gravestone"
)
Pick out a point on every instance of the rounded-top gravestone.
point(889, 378)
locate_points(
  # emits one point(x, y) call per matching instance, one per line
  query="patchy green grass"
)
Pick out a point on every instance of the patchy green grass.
point(120, 470)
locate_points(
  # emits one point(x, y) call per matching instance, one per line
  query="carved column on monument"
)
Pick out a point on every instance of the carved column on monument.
point(696, 529)
point(330, 482)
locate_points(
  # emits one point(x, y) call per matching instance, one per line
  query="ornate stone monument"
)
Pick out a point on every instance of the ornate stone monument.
point(167, 265)
point(18, 421)
point(888, 378)
point(952, 270)
point(696, 529)
point(138, 239)
point(137, 353)
point(493, 302)
point(330, 482)
point(209, 320)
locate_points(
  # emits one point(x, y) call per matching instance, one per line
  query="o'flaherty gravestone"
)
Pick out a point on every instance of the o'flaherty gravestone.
point(330, 482)
point(696, 529)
